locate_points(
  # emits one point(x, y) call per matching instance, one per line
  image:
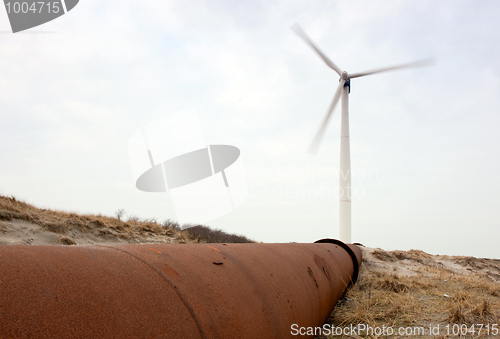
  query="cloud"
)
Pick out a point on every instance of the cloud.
point(69, 101)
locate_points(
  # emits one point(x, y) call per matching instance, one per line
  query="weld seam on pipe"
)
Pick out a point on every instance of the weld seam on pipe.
point(171, 284)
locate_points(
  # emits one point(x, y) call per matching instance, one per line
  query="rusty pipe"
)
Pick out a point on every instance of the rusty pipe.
point(171, 291)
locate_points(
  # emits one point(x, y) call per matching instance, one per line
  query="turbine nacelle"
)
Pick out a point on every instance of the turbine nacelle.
point(347, 80)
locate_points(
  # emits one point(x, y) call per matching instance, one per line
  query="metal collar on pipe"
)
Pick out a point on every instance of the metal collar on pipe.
point(353, 251)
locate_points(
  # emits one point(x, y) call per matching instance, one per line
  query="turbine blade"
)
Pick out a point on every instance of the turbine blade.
point(319, 135)
point(421, 63)
point(296, 28)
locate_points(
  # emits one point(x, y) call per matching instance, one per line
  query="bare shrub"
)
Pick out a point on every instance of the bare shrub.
point(133, 218)
point(171, 224)
point(206, 234)
point(119, 213)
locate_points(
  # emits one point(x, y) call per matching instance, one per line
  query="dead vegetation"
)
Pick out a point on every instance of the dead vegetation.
point(395, 288)
point(23, 223)
point(416, 289)
point(215, 236)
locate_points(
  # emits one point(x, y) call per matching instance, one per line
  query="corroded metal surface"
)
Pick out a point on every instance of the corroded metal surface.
point(169, 291)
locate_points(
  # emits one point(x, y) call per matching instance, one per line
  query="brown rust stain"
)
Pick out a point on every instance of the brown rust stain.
point(218, 250)
point(169, 291)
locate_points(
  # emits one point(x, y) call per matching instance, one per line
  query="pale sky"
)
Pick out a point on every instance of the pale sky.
point(424, 142)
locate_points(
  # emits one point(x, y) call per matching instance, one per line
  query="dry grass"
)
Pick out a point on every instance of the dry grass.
point(413, 288)
point(69, 227)
point(397, 288)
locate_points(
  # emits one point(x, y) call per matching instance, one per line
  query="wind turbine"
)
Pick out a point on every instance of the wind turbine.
point(343, 91)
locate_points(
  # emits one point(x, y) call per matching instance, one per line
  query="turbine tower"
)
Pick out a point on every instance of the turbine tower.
point(343, 90)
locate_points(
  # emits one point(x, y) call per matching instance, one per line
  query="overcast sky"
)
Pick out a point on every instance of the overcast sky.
point(425, 142)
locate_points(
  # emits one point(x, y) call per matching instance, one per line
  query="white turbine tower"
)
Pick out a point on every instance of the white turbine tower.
point(343, 90)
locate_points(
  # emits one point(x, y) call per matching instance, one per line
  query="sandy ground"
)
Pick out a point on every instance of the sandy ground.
point(21, 232)
point(397, 287)
point(417, 263)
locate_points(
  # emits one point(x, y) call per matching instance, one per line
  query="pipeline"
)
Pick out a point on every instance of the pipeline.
point(213, 291)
